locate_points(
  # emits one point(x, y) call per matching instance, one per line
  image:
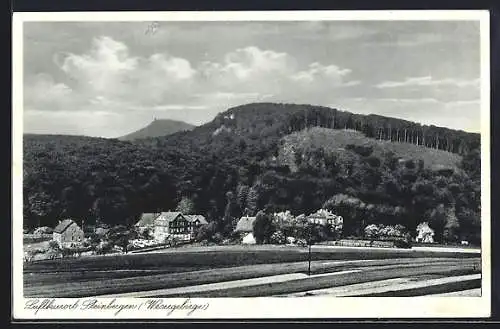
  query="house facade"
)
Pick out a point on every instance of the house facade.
point(324, 217)
point(425, 234)
point(195, 221)
point(68, 233)
point(245, 224)
point(245, 228)
point(172, 224)
point(146, 222)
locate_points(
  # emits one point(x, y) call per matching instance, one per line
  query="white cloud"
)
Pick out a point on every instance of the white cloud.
point(104, 70)
point(42, 91)
point(177, 68)
point(247, 70)
point(331, 74)
point(109, 79)
point(251, 69)
point(428, 81)
point(108, 70)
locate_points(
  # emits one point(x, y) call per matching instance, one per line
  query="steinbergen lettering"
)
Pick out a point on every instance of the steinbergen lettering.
point(95, 304)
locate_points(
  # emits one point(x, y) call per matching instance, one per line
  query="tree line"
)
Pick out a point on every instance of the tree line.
point(224, 176)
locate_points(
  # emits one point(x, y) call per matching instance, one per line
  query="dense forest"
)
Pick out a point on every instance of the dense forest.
point(253, 157)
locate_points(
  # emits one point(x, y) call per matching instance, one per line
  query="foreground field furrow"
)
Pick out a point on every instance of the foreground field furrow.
point(325, 282)
point(227, 284)
point(461, 293)
point(48, 278)
point(57, 278)
point(397, 287)
point(171, 280)
point(426, 290)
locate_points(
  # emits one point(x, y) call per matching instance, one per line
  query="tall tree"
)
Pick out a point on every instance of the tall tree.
point(452, 226)
point(185, 206)
point(252, 200)
point(263, 228)
point(231, 213)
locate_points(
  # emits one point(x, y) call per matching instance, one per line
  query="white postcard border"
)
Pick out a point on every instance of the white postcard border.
point(234, 308)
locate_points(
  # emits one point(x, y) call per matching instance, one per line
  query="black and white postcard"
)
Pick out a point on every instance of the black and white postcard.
point(199, 165)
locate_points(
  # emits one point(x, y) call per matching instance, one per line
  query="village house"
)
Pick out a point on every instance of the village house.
point(147, 222)
point(324, 217)
point(245, 228)
point(425, 234)
point(195, 222)
point(173, 224)
point(68, 233)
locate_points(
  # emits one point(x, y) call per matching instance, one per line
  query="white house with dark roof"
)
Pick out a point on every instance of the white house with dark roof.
point(325, 217)
point(196, 220)
point(68, 233)
point(245, 228)
point(175, 225)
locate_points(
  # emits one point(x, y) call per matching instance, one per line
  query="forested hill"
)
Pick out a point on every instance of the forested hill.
point(157, 128)
point(256, 156)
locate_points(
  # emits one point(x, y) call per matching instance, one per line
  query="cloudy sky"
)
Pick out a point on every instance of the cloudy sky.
point(109, 79)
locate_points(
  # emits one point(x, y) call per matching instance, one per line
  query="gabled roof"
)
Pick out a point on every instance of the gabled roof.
point(200, 218)
point(167, 216)
point(147, 219)
point(245, 224)
point(171, 215)
point(323, 214)
point(63, 225)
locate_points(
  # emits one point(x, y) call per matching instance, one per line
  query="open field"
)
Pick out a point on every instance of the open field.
point(336, 141)
point(188, 267)
point(179, 259)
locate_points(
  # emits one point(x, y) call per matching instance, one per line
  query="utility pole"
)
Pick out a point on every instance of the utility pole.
point(309, 243)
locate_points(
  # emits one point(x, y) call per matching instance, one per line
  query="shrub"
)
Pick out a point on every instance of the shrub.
point(402, 243)
point(278, 238)
point(410, 164)
point(373, 161)
point(361, 149)
point(53, 245)
point(235, 237)
point(205, 232)
point(372, 231)
point(217, 238)
point(43, 230)
point(103, 248)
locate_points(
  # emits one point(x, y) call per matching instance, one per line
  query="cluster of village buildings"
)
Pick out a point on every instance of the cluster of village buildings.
point(173, 224)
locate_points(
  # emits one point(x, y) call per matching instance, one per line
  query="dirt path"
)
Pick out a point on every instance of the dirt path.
point(227, 284)
point(464, 293)
point(396, 284)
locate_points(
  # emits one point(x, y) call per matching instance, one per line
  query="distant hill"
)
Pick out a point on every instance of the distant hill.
point(158, 128)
